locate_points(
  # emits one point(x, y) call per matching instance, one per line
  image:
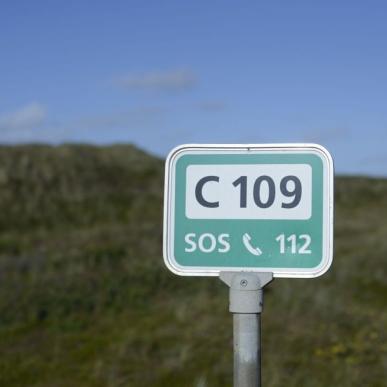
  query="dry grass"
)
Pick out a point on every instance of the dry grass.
point(86, 301)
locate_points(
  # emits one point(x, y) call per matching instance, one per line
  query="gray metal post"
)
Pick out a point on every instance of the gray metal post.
point(246, 300)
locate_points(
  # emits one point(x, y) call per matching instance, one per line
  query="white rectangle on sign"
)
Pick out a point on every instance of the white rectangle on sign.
point(247, 191)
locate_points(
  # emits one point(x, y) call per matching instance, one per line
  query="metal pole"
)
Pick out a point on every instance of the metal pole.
point(246, 300)
point(247, 350)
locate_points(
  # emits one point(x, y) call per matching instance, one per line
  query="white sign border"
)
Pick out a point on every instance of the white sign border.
point(169, 192)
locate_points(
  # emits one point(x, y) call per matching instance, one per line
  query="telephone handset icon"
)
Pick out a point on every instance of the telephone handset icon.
point(247, 242)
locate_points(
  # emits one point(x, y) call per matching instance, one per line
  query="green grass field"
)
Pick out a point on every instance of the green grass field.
point(85, 299)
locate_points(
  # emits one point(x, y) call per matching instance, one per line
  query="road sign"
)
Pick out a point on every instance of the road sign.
point(262, 208)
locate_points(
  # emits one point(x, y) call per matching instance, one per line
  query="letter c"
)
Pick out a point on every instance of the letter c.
point(199, 191)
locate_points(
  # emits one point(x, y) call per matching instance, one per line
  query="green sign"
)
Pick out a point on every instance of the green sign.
point(266, 208)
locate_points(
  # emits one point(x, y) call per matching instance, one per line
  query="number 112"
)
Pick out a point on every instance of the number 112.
point(302, 247)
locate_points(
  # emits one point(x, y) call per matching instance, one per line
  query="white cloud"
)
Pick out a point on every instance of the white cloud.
point(212, 106)
point(375, 159)
point(328, 135)
point(25, 118)
point(177, 80)
point(134, 119)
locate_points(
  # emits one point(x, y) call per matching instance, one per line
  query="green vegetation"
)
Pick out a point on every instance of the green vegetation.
point(85, 299)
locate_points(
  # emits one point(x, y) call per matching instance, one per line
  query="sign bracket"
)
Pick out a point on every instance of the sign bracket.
point(246, 303)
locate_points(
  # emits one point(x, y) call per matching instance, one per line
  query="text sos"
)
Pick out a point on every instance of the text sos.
point(207, 243)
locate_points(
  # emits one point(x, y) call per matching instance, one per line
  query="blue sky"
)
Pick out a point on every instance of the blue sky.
point(163, 73)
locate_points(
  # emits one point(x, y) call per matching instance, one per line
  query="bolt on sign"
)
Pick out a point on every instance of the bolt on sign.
point(262, 208)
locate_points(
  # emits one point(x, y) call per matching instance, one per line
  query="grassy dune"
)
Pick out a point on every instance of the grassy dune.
point(85, 299)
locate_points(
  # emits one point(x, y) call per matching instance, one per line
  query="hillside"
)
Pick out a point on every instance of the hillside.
point(85, 299)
